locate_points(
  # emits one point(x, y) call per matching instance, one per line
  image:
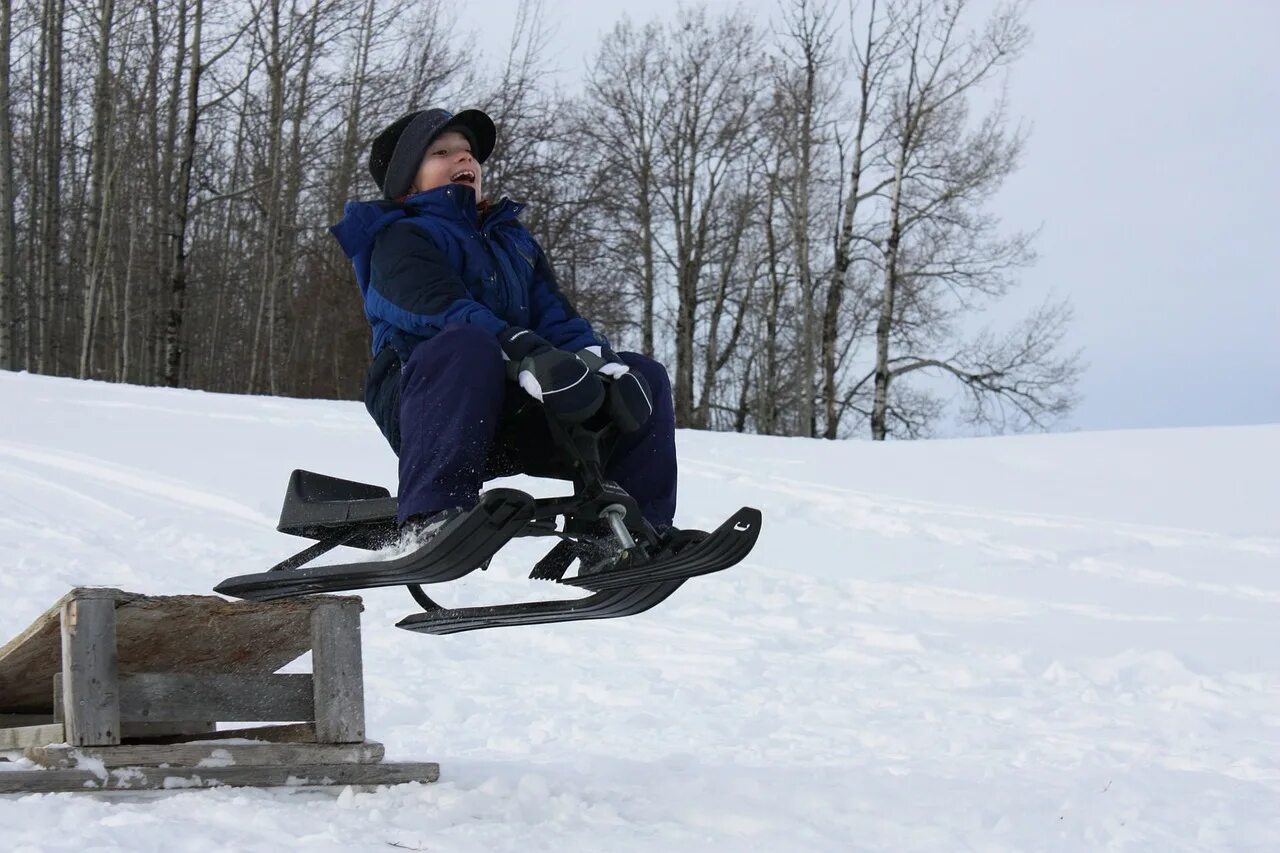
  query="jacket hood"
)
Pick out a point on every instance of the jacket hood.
point(361, 222)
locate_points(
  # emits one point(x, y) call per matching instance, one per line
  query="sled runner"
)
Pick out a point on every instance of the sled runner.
point(625, 564)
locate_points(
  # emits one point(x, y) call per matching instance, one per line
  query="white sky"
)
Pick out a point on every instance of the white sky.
point(1153, 168)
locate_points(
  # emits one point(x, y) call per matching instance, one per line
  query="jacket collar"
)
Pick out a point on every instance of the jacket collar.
point(363, 220)
point(455, 201)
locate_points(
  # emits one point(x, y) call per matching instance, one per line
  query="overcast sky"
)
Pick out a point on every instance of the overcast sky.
point(1153, 169)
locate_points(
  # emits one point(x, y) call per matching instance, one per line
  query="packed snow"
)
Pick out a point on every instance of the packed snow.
point(1055, 642)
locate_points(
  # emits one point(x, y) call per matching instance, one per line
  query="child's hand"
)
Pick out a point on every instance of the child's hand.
point(557, 379)
point(630, 400)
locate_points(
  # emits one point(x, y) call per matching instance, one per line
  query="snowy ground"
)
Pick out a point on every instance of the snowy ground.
point(1061, 642)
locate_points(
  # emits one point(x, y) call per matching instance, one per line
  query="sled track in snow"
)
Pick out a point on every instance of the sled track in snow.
point(133, 480)
point(829, 495)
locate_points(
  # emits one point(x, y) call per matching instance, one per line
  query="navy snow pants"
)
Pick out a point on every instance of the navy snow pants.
point(456, 421)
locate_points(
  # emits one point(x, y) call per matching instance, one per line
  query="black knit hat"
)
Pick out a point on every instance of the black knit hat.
point(397, 152)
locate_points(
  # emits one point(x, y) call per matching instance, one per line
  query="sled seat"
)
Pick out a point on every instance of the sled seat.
point(318, 506)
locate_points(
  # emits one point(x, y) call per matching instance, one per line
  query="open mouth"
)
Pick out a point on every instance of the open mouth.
point(464, 176)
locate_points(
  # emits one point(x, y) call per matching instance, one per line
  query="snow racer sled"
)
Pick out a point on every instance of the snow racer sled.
point(625, 565)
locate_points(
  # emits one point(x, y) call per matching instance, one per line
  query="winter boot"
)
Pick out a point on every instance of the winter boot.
point(418, 530)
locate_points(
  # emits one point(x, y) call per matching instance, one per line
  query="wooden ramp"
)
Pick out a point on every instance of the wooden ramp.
point(126, 683)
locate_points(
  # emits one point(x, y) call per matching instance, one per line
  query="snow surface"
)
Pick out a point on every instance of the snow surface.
point(1058, 642)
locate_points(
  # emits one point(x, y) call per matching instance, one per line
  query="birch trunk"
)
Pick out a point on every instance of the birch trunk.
point(51, 207)
point(800, 235)
point(284, 355)
point(844, 239)
point(767, 416)
point(166, 213)
point(267, 307)
point(8, 227)
point(884, 325)
point(100, 159)
point(178, 282)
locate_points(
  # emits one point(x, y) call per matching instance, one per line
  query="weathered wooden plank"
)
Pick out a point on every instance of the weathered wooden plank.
point(339, 677)
point(165, 697)
point(132, 729)
point(25, 736)
point(11, 720)
point(182, 633)
point(90, 699)
point(29, 661)
point(172, 696)
point(287, 733)
point(143, 778)
point(134, 732)
point(208, 754)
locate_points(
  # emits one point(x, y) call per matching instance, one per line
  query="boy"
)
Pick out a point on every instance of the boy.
point(469, 325)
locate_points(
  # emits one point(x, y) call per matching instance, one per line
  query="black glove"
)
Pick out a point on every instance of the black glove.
point(630, 400)
point(557, 379)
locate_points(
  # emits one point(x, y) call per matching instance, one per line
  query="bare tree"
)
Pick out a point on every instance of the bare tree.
point(626, 119)
point(711, 73)
point(348, 152)
point(806, 54)
point(874, 49)
point(440, 69)
point(942, 254)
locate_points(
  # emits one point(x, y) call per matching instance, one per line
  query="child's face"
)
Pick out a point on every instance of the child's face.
point(448, 161)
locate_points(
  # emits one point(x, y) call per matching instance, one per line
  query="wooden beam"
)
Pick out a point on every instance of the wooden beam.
point(144, 778)
point(8, 721)
point(193, 729)
point(157, 697)
point(90, 700)
point(25, 736)
point(127, 730)
point(339, 677)
point(287, 733)
point(150, 697)
point(208, 754)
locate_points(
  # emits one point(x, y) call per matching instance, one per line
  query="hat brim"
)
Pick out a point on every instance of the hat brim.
point(483, 133)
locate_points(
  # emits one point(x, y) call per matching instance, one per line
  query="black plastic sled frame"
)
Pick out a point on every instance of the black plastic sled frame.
point(642, 571)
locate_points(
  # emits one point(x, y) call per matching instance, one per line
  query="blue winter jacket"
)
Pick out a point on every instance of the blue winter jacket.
point(430, 261)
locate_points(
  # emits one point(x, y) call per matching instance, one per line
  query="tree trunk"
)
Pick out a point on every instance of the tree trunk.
point(686, 314)
point(884, 326)
point(296, 163)
point(167, 213)
point(349, 153)
point(51, 207)
point(266, 319)
point(647, 288)
point(844, 240)
point(800, 235)
point(100, 159)
point(767, 416)
point(231, 373)
point(178, 283)
point(8, 226)
point(126, 312)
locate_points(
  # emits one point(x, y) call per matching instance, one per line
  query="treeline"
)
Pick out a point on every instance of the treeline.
point(791, 215)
